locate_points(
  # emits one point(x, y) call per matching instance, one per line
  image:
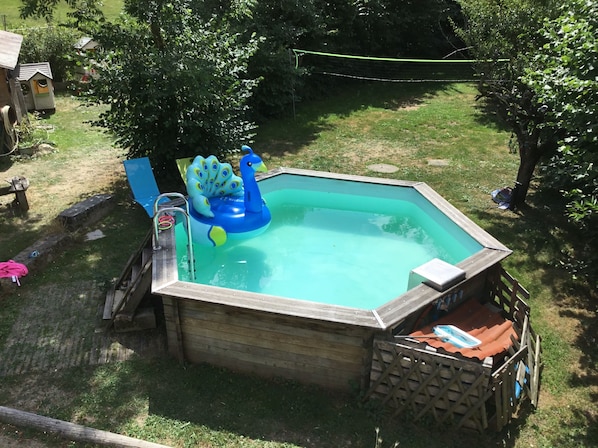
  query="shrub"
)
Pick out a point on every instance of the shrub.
point(53, 44)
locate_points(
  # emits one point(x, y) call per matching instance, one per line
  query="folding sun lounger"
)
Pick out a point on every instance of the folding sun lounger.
point(143, 183)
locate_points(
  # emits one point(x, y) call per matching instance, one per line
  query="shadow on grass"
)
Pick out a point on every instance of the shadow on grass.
point(207, 405)
point(541, 232)
point(488, 116)
point(287, 135)
point(5, 162)
point(583, 427)
point(15, 230)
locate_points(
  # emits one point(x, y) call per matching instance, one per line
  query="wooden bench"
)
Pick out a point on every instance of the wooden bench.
point(86, 212)
point(18, 186)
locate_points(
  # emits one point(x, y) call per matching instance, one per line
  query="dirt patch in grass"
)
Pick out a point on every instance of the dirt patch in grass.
point(365, 153)
point(57, 180)
point(19, 441)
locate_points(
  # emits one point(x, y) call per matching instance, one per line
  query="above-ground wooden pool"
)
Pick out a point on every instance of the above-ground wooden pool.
point(327, 344)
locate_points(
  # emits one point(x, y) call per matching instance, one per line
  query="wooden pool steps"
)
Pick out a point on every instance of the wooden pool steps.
point(122, 306)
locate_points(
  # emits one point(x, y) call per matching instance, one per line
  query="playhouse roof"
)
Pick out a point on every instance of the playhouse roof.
point(24, 72)
point(10, 47)
point(86, 43)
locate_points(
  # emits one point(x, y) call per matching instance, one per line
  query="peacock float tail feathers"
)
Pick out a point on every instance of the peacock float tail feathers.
point(208, 178)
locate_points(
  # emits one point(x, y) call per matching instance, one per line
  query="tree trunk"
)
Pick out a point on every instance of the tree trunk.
point(524, 177)
point(531, 149)
point(72, 431)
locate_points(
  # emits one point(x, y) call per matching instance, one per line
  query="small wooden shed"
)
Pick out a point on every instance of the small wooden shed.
point(10, 47)
point(85, 45)
point(86, 48)
point(37, 85)
point(10, 94)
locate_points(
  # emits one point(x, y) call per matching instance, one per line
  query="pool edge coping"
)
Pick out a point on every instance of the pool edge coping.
point(165, 281)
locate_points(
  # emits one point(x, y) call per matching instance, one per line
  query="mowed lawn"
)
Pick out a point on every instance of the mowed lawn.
point(435, 133)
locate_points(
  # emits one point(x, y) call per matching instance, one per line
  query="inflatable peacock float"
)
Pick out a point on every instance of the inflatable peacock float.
point(224, 205)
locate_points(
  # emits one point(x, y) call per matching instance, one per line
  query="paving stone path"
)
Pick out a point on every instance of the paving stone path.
point(61, 326)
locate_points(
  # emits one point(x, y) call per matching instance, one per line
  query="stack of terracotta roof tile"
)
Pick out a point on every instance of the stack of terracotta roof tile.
point(481, 322)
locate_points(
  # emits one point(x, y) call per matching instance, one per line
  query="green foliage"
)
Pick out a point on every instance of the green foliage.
point(564, 76)
point(81, 10)
point(388, 28)
point(175, 84)
point(503, 37)
point(547, 93)
point(53, 44)
point(400, 28)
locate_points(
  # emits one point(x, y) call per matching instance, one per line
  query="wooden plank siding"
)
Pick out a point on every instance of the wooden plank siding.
point(331, 355)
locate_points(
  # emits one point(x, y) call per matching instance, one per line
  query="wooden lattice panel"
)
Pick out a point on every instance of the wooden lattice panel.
point(510, 296)
point(424, 382)
point(504, 390)
point(411, 376)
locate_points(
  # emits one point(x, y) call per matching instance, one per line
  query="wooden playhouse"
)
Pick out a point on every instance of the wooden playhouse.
point(37, 85)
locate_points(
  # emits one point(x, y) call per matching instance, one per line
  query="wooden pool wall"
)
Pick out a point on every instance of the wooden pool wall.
point(327, 345)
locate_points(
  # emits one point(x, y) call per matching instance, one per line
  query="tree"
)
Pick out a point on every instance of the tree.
point(564, 76)
point(81, 10)
point(174, 84)
point(504, 37)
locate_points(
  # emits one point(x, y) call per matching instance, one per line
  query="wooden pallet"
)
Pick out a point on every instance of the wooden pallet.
point(123, 299)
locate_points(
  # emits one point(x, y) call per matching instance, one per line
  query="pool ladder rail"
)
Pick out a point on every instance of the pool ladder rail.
point(124, 299)
point(172, 210)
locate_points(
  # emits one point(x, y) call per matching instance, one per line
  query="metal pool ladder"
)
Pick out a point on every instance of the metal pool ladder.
point(160, 211)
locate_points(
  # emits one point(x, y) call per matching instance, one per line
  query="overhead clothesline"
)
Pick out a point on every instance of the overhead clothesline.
point(13, 270)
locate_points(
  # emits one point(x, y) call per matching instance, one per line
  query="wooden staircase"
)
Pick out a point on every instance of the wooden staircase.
point(123, 299)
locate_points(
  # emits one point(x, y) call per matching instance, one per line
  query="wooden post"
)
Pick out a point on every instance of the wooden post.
point(18, 187)
point(72, 431)
point(179, 330)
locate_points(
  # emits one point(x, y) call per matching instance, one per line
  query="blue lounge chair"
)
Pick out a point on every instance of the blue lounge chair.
point(143, 183)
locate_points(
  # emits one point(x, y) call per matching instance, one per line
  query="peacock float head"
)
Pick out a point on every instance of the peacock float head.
point(251, 163)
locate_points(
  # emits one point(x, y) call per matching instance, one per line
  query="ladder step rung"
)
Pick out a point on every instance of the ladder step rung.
point(135, 269)
point(108, 304)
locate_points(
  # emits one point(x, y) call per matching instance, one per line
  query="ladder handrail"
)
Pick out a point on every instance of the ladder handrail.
point(170, 195)
point(190, 253)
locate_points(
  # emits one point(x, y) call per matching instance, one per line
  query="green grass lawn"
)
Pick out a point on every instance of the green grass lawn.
point(82, 160)
point(202, 406)
point(11, 20)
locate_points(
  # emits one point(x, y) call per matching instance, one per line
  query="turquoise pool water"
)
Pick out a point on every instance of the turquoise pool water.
point(335, 242)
